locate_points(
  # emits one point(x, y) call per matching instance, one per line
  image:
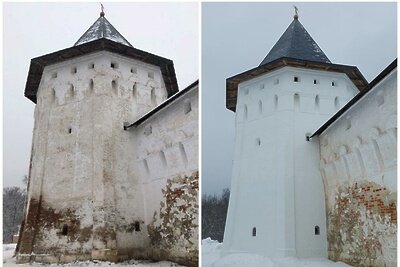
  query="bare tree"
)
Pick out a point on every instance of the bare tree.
point(214, 210)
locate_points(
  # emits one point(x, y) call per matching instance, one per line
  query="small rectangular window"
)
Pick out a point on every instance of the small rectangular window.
point(114, 65)
point(74, 70)
point(91, 66)
point(276, 81)
point(334, 83)
point(133, 70)
point(296, 79)
point(316, 81)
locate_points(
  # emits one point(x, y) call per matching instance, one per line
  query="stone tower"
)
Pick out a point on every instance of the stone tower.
point(277, 205)
point(85, 191)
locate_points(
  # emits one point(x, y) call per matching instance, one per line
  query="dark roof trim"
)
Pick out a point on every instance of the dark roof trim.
point(162, 105)
point(232, 83)
point(37, 64)
point(356, 98)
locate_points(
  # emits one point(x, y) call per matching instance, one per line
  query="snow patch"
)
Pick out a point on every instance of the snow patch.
point(212, 257)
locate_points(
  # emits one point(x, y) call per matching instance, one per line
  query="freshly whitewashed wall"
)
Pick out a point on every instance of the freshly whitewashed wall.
point(85, 198)
point(358, 165)
point(277, 192)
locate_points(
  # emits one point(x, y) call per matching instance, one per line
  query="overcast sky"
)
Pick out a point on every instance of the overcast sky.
point(33, 29)
point(237, 36)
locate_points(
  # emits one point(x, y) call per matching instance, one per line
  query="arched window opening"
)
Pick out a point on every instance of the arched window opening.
point(183, 154)
point(337, 105)
point(316, 102)
point(254, 233)
point(245, 112)
point(114, 86)
point(91, 85)
point(275, 102)
point(296, 100)
point(134, 90)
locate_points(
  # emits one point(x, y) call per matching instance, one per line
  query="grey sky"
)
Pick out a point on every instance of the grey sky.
point(34, 29)
point(237, 36)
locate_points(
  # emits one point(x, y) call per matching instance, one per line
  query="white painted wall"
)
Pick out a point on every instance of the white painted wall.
point(276, 184)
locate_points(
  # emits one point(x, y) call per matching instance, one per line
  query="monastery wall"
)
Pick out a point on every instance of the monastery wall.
point(277, 205)
point(166, 160)
point(358, 166)
point(81, 179)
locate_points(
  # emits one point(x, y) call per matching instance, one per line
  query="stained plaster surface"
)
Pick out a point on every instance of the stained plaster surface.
point(358, 165)
point(83, 175)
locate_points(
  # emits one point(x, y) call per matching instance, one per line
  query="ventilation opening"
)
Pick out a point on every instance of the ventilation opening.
point(316, 230)
point(64, 230)
point(150, 75)
point(333, 83)
point(91, 66)
point(133, 70)
point(74, 70)
point(276, 81)
point(114, 65)
point(258, 142)
point(296, 79)
point(69, 130)
point(137, 226)
point(316, 81)
point(262, 86)
point(187, 107)
point(254, 233)
point(54, 75)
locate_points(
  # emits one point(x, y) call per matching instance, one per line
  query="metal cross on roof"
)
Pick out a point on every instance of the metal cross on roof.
point(102, 10)
point(296, 14)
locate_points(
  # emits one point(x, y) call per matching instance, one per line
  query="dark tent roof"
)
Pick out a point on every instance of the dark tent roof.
point(296, 43)
point(102, 28)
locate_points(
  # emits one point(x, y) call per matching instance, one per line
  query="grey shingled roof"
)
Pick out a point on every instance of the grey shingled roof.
point(102, 28)
point(296, 43)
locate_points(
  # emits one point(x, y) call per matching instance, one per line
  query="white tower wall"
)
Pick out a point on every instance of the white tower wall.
point(276, 185)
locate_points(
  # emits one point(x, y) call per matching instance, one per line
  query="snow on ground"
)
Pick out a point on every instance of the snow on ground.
point(9, 261)
point(212, 257)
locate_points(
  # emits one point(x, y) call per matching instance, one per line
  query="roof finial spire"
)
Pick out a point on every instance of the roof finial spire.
point(296, 14)
point(102, 14)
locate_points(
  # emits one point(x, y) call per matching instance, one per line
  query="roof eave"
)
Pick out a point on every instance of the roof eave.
point(232, 83)
point(38, 64)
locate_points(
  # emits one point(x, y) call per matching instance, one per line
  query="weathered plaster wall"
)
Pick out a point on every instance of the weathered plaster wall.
point(84, 199)
point(358, 165)
point(166, 159)
point(277, 196)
